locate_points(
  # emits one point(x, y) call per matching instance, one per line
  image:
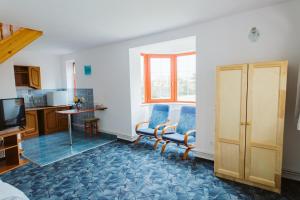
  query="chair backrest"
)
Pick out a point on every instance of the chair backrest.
point(159, 115)
point(187, 119)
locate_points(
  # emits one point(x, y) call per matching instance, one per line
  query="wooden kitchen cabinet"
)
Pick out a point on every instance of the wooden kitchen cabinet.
point(62, 120)
point(28, 76)
point(53, 122)
point(50, 121)
point(32, 128)
point(34, 77)
point(44, 121)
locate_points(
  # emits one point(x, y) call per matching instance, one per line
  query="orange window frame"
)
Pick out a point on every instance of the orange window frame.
point(173, 74)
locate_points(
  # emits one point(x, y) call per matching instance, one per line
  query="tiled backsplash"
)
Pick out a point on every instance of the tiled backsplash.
point(78, 120)
point(38, 98)
point(35, 98)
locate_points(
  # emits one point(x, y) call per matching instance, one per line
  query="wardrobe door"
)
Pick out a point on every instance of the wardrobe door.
point(230, 121)
point(265, 123)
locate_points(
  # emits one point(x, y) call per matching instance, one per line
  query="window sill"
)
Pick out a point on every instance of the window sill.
point(171, 103)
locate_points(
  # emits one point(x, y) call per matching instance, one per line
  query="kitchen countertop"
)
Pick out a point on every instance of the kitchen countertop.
point(45, 107)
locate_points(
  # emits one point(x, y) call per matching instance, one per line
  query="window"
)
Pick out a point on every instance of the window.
point(169, 78)
point(71, 79)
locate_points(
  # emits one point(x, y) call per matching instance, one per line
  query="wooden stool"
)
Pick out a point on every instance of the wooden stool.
point(91, 125)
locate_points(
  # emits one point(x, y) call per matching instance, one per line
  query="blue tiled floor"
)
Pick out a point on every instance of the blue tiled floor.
point(122, 170)
point(50, 148)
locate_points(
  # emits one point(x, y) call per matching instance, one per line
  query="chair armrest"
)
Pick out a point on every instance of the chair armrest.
point(158, 127)
point(186, 136)
point(168, 127)
point(139, 124)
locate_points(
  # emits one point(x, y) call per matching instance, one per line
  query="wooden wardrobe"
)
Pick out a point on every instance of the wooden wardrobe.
point(250, 109)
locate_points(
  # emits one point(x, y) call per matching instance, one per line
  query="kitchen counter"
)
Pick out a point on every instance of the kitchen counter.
point(46, 107)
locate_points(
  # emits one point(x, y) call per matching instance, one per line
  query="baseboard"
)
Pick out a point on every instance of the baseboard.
point(122, 136)
point(288, 174)
point(203, 155)
point(127, 138)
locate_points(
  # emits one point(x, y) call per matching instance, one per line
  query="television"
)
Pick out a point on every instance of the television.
point(12, 113)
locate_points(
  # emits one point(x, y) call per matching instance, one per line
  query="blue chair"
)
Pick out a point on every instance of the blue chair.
point(157, 122)
point(184, 133)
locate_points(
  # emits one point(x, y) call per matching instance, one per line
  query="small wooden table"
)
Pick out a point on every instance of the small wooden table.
point(70, 113)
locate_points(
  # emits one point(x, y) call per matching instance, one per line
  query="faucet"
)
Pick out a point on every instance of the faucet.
point(32, 100)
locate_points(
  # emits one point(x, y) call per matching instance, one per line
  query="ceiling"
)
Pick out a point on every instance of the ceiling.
point(71, 25)
point(182, 45)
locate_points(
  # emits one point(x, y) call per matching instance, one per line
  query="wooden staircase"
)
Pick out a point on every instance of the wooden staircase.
point(13, 39)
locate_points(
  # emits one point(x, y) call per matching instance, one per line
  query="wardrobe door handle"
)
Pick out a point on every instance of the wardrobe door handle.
point(248, 123)
point(243, 123)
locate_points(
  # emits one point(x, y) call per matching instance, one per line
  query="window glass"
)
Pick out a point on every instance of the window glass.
point(160, 73)
point(186, 78)
point(142, 78)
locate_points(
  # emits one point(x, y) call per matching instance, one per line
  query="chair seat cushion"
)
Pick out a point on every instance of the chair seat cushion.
point(179, 138)
point(150, 131)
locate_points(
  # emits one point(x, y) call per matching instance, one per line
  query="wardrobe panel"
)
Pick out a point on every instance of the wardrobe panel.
point(230, 158)
point(230, 119)
point(265, 123)
point(265, 104)
point(230, 93)
point(263, 166)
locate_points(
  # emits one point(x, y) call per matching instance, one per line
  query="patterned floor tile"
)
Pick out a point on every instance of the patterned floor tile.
point(122, 170)
point(41, 151)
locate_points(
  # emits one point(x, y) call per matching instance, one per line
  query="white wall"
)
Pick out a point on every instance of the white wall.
point(110, 81)
point(219, 42)
point(50, 65)
point(7, 80)
point(51, 75)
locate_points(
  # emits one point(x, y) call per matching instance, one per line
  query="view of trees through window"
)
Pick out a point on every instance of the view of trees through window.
point(186, 78)
point(160, 74)
point(169, 78)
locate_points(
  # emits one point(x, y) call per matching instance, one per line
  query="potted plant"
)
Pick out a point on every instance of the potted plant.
point(78, 102)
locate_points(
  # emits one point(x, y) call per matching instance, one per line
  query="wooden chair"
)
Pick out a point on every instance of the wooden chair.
point(91, 126)
point(158, 121)
point(184, 133)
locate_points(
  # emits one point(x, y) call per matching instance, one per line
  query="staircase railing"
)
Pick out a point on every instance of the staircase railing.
point(7, 30)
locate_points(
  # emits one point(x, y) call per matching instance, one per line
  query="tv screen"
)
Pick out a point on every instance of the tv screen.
point(12, 113)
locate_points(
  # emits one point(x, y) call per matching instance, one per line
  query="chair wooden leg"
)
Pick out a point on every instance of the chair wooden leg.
point(186, 153)
point(164, 147)
point(138, 139)
point(85, 129)
point(94, 129)
point(91, 130)
point(156, 143)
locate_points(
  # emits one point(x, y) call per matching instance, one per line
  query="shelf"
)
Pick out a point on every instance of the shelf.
point(10, 132)
point(11, 159)
point(3, 148)
point(4, 167)
point(21, 71)
point(104, 108)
